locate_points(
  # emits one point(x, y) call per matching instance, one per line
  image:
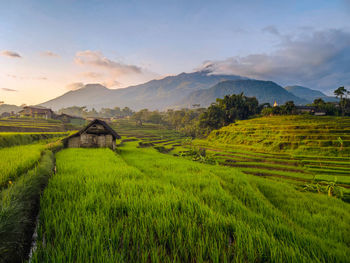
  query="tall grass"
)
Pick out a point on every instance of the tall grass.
point(8, 139)
point(18, 208)
point(144, 206)
point(16, 160)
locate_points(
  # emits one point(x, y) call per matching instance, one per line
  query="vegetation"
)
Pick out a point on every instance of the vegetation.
point(34, 125)
point(154, 207)
point(301, 133)
point(83, 112)
point(16, 160)
point(19, 205)
point(8, 139)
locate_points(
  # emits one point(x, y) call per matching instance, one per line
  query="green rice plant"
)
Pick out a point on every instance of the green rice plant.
point(19, 206)
point(18, 159)
point(144, 206)
point(8, 139)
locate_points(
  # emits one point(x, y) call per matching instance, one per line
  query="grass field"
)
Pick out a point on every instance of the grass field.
point(144, 206)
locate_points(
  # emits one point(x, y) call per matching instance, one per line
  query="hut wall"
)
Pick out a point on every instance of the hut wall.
point(101, 141)
point(74, 142)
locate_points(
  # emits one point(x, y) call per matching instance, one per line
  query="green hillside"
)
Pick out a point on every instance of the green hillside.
point(309, 94)
point(298, 134)
point(264, 91)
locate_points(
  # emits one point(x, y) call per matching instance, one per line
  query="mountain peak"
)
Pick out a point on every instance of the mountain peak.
point(95, 86)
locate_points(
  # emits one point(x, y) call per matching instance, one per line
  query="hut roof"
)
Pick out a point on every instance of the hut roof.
point(95, 121)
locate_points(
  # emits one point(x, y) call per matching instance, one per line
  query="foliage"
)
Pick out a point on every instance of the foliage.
point(116, 112)
point(227, 110)
point(330, 188)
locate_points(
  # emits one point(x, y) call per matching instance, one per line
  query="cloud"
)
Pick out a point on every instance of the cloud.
point(96, 59)
point(6, 89)
point(11, 54)
point(75, 86)
point(49, 54)
point(111, 83)
point(272, 30)
point(92, 75)
point(25, 78)
point(317, 59)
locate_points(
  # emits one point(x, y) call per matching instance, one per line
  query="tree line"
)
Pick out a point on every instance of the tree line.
point(83, 112)
point(201, 121)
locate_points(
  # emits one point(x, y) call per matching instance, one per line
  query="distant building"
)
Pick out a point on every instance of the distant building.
point(275, 104)
point(97, 134)
point(305, 109)
point(5, 115)
point(36, 112)
point(66, 118)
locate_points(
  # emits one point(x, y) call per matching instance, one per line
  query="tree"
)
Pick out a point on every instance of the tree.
point(227, 110)
point(340, 92)
point(289, 107)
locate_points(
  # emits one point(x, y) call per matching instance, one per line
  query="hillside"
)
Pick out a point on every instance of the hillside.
point(9, 108)
point(264, 91)
point(298, 133)
point(309, 94)
point(155, 94)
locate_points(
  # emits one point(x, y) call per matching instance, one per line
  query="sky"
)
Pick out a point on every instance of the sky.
point(50, 47)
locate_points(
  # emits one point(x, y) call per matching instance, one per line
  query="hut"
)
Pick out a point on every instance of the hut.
point(96, 134)
point(36, 112)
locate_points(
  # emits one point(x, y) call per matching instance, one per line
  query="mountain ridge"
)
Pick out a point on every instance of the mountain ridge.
point(264, 91)
point(182, 90)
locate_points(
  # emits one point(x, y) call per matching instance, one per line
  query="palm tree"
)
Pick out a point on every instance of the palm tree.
point(340, 92)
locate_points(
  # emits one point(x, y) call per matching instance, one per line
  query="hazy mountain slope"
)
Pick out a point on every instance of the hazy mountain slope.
point(155, 94)
point(264, 91)
point(90, 95)
point(309, 94)
point(9, 108)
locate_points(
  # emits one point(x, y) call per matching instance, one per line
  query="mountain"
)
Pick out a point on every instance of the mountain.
point(309, 94)
point(264, 91)
point(9, 108)
point(91, 95)
point(156, 94)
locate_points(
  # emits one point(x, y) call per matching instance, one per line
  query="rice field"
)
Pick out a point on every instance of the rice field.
point(298, 134)
point(144, 206)
point(16, 160)
point(8, 139)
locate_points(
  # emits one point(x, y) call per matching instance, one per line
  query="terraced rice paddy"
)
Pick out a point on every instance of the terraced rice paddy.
point(32, 125)
point(141, 205)
point(8, 139)
point(147, 131)
point(298, 166)
point(18, 159)
point(144, 206)
point(312, 135)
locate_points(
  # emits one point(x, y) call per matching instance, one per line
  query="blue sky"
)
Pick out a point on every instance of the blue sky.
point(120, 43)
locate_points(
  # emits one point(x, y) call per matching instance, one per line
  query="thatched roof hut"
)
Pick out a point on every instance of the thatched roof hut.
point(96, 134)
